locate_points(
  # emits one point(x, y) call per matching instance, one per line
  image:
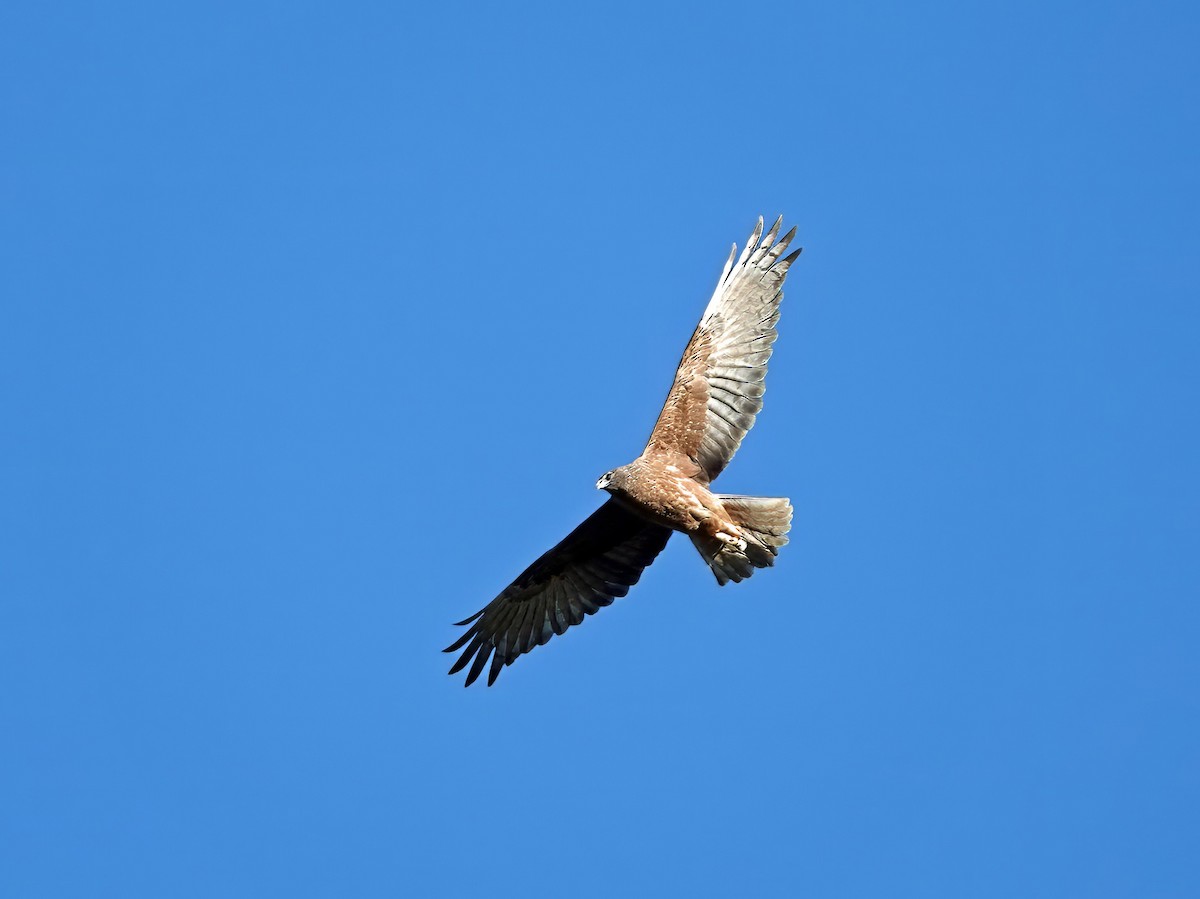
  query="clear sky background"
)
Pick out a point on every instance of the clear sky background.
point(320, 321)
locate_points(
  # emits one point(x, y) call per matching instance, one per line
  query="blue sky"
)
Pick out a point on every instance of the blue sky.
point(319, 323)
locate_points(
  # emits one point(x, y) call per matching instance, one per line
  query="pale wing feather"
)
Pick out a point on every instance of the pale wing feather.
point(718, 387)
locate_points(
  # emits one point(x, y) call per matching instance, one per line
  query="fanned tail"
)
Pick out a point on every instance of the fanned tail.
point(763, 523)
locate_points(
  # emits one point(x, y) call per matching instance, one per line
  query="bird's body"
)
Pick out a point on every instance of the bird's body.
point(725, 529)
point(712, 403)
point(662, 492)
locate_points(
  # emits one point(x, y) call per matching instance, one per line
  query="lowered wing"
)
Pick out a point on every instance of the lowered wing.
point(597, 562)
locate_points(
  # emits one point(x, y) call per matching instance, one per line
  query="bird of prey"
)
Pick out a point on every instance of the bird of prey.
point(716, 395)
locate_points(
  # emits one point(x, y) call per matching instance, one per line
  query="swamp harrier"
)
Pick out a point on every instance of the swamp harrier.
point(717, 393)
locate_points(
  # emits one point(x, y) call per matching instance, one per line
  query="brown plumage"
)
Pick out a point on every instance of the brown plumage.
point(716, 395)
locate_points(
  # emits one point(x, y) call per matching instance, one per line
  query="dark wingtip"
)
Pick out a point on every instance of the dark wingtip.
point(475, 646)
point(462, 641)
point(481, 658)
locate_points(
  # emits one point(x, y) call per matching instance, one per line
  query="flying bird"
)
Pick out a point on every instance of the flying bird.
point(713, 401)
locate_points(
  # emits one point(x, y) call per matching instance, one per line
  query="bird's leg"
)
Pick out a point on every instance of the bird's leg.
point(724, 532)
point(732, 540)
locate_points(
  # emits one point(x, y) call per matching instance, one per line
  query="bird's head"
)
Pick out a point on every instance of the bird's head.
point(605, 481)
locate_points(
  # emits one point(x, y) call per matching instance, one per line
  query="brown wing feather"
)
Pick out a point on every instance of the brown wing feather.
point(718, 386)
point(597, 562)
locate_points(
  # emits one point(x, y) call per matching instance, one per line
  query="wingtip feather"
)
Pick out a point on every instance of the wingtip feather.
point(752, 243)
point(481, 658)
point(770, 238)
point(728, 265)
point(494, 670)
point(776, 251)
point(462, 640)
point(467, 621)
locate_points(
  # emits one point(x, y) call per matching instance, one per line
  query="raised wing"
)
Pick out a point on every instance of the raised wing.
point(597, 562)
point(718, 387)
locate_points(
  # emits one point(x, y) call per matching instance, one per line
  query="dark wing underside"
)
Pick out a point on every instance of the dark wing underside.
point(597, 562)
point(718, 387)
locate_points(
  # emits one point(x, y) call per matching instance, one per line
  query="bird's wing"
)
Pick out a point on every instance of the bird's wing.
point(718, 387)
point(597, 562)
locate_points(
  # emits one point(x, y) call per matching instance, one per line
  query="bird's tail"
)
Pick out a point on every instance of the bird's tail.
point(763, 522)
